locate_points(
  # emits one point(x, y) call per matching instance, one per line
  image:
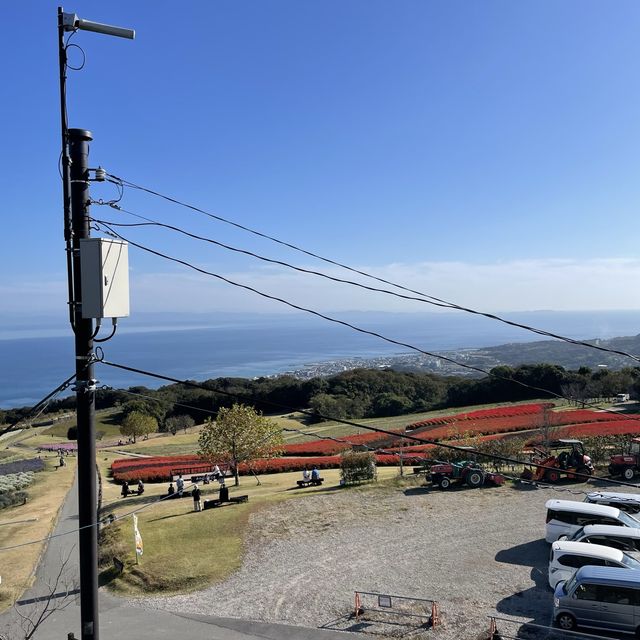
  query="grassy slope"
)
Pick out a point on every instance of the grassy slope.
point(166, 526)
point(166, 444)
point(163, 523)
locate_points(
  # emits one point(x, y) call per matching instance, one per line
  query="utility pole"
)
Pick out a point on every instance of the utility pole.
point(85, 392)
point(75, 180)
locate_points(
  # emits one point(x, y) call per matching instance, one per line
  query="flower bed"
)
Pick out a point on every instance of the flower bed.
point(21, 466)
point(160, 473)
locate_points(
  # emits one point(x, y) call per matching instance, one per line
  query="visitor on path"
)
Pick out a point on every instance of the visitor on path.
point(140, 487)
point(180, 485)
point(125, 489)
point(216, 472)
point(195, 494)
point(206, 479)
point(315, 474)
point(61, 461)
point(306, 476)
point(171, 491)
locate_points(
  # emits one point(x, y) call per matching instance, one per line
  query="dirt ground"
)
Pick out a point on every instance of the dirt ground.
point(477, 552)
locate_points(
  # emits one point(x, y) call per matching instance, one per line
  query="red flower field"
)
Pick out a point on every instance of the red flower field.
point(488, 424)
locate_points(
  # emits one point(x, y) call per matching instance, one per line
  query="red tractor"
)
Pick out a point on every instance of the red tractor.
point(627, 464)
point(561, 459)
point(467, 472)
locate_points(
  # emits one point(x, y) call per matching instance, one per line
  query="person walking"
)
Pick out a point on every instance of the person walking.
point(180, 485)
point(195, 494)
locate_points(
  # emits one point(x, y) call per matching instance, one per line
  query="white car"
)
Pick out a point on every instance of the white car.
point(624, 538)
point(565, 517)
point(567, 557)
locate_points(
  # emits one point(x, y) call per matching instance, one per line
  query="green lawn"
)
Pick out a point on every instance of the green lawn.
point(104, 424)
point(163, 525)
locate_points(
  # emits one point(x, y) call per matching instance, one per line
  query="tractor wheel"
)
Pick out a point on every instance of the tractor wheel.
point(585, 471)
point(551, 475)
point(475, 478)
point(628, 473)
point(444, 482)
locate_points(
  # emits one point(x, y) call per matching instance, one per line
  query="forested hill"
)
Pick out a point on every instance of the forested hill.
point(566, 355)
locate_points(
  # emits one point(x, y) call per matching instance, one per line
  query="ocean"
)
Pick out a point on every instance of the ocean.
point(249, 346)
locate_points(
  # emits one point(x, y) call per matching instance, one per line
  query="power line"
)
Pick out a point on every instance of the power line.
point(39, 406)
point(331, 319)
point(376, 450)
point(359, 425)
point(318, 437)
point(93, 524)
point(379, 450)
point(348, 324)
point(151, 222)
point(424, 296)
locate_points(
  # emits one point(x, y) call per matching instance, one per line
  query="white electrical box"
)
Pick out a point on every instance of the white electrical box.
point(105, 278)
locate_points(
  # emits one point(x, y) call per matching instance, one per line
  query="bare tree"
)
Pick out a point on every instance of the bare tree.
point(31, 614)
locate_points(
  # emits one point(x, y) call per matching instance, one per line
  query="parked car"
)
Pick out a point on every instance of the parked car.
point(623, 538)
point(599, 597)
point(567, 557)
point(629, 502)
point(565, 517)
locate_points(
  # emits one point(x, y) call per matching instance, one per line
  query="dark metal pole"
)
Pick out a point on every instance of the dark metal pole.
point(64, 158)
point(85, 393)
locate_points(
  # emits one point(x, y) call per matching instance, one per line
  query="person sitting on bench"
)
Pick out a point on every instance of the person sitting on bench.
point(171, 491)
point(140, 487)
point(306, 475)
point(315, 475)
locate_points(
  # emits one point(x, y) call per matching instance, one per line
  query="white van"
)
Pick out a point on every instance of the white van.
point(624, 538)
point(565, 517)
point(567, 557)
point(629, 502)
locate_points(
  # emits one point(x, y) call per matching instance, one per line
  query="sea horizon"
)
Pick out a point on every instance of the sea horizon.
point(250, 346)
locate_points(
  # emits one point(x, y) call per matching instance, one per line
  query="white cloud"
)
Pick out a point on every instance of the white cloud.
point(525, 285)
point(505, 286)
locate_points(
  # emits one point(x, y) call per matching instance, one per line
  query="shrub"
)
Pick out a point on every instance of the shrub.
point(10, 498)
point(357, 467)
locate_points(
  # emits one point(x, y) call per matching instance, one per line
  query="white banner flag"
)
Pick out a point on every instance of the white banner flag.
point(138, 537)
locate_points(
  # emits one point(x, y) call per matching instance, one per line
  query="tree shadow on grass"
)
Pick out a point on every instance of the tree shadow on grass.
point(315, 489)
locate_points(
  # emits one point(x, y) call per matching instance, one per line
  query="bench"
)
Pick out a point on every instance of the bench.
point(212, 504)
point(310, 483)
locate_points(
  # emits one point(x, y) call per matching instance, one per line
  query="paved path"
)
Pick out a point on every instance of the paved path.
point(117, 620)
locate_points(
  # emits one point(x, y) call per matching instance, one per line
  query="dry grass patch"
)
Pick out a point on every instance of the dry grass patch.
point(32, 521)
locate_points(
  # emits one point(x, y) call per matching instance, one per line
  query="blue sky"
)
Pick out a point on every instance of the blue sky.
point(485, 152)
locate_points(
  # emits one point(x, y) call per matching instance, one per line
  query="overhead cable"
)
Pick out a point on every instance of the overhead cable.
point(359, 425)
point(40, 406)
point(439, 302)
point(344, 323)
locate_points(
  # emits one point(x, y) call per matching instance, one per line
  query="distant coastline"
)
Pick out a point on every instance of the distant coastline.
point(241, 346)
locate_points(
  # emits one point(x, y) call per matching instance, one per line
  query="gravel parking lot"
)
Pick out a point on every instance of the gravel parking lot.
point(476, 551)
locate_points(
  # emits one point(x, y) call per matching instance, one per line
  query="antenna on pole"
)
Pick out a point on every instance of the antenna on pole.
point(71, 22)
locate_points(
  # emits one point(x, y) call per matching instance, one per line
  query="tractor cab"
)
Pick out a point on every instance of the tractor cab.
point(569, 453)
point(561, 458)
